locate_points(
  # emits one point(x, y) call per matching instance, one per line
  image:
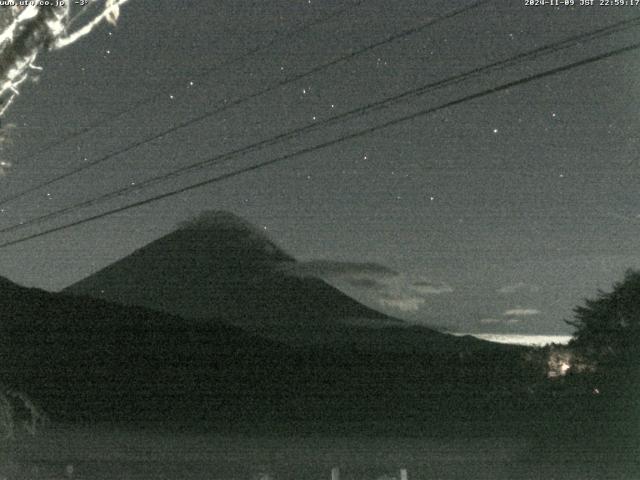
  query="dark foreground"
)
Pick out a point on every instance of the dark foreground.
point(134, 393)
point(465, 452)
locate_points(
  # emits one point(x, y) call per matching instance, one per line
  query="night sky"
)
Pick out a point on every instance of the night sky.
point(495, 215)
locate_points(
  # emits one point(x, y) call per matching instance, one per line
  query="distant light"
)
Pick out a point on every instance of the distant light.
point(520, 339)
point(495, 130)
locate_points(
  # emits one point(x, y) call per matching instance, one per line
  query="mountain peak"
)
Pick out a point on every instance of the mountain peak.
point(217, 219)
point(222, 233)
point(220, 266)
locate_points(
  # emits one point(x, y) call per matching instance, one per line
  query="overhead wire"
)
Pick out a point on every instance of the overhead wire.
point(370, 107)
point(206, 72)
point(350, 136)
point(150, 99)
point(225, 105)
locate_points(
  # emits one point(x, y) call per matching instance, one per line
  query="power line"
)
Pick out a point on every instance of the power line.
point(329, 143)
point(532, 54)
point(227, 105)
point(204, 73)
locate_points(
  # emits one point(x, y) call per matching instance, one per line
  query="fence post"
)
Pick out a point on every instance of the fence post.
point(403, 474)
point(335, 473)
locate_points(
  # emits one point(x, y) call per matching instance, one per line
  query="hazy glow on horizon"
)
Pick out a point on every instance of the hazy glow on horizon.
point(517, 339)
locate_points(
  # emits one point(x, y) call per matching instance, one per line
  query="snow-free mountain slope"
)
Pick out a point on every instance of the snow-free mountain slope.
point(219, 266)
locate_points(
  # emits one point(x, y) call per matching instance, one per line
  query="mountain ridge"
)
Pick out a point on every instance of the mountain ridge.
point(87, 360)
point(220, 266)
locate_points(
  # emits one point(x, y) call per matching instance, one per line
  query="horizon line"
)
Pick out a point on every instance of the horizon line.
point(530, 339)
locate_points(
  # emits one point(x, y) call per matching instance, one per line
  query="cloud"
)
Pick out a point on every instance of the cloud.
point(430, 288)
point(519, 287)
point(329, 268)
point(404, 304)
point(521, 312)
point(363, 283)
point(503, 321)
point(510, 317)
point(490, 321)
point(373, 281)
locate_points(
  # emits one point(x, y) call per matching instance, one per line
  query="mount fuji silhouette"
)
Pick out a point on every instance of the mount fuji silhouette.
point(209, 323)
point(88, 360)
point(220, 267)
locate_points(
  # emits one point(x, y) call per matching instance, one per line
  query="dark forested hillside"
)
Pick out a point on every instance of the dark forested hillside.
point(89, 360)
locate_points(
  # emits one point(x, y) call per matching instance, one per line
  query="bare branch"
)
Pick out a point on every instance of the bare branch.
point(109, 14)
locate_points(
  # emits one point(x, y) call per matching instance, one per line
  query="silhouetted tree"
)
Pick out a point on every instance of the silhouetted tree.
point(608, 327)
